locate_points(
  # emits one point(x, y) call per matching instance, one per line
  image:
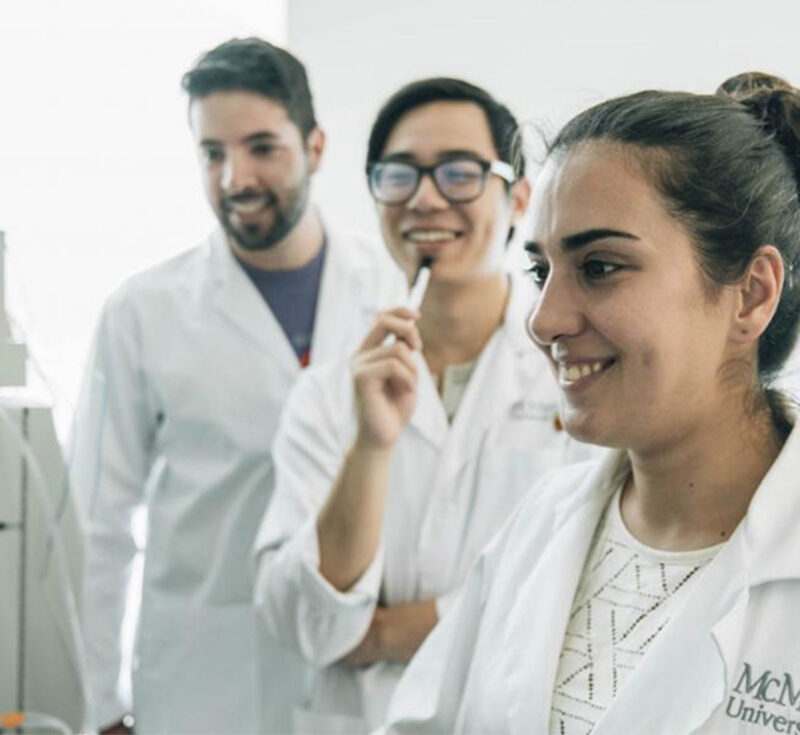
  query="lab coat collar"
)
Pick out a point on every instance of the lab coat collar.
point(770, 532)
point(342, 295)
point(703, 639)
point(691, 663)
point(486, 396)
point(238, 300)
point(429, 418)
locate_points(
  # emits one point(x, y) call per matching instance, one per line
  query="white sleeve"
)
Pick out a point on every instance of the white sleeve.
point(109, 461)
point(299, 606)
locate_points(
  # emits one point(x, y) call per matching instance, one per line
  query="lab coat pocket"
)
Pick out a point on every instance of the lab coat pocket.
point(197, 670)
point(308, 722)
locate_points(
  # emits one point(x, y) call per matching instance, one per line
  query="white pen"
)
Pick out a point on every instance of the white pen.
point(417, 292)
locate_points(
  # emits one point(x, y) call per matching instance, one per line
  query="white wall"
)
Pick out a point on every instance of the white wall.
point(98, 176)
point(97, 172)
point(546, 59)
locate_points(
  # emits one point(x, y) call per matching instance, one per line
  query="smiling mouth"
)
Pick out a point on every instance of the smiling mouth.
point(431, 236)
point(248, 206)
point(572, 374)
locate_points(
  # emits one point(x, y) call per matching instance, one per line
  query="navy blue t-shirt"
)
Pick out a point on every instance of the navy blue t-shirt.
point(292, 297)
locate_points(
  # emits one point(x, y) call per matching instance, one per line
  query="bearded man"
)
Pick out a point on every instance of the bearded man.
point(185, 384)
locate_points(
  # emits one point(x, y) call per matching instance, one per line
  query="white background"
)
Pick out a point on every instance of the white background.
point(98, 176)
point(97, 171)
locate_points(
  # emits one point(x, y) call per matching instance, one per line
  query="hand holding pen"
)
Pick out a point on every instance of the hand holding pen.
point(385, 371)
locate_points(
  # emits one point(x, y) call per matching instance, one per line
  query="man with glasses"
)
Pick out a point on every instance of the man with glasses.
point(394, 470)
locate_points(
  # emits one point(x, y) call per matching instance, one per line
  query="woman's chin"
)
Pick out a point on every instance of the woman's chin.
point(587, 428)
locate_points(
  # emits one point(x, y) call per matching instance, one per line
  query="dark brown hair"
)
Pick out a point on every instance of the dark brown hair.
point(728, 167)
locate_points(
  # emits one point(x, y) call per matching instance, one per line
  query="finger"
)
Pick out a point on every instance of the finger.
point(388, 370)
point(398, 350)
point(398, 321)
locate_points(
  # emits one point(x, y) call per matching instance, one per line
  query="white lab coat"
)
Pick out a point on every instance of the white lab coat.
point(451, 487)
point(489, 667)
point(188, 375)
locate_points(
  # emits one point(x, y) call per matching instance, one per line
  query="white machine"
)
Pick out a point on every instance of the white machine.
point(40, 560)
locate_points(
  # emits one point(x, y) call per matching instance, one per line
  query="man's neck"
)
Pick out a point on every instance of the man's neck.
point(297, 249)
point(459, 319)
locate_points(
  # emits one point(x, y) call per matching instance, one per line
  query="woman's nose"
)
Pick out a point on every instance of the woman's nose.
point(556, 313)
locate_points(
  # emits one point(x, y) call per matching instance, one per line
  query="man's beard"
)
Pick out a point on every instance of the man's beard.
point(252, 237)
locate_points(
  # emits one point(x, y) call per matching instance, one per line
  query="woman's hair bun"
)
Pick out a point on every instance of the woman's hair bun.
point(775, 103)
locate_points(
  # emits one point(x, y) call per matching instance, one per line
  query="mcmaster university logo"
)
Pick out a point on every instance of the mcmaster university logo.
point(767, 699)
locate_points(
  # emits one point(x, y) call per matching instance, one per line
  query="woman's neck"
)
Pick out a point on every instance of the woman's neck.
point(693, 492)
point(458, 319)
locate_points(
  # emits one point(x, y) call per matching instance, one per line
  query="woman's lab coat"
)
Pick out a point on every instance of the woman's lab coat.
point(189, 372)
point(728, 662)
point(451, 488)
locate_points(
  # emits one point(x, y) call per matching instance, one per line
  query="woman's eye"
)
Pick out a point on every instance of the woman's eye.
point(538, 272)
point(597, 270)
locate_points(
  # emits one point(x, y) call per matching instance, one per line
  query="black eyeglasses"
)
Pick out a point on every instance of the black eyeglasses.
point(458, 180)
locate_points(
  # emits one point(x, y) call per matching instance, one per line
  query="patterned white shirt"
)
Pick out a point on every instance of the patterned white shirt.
point(627, 595)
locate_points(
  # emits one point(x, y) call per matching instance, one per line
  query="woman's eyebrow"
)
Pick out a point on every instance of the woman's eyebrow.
point(582, 239)
point(579, 240)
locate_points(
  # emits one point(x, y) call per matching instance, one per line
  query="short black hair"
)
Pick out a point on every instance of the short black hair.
point(502, 124)
point(254, 65)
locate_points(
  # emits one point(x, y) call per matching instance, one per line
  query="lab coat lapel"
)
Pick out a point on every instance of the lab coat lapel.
point(237, 299)
point(485, 397)
point(497, 384)
point(343, 312)
point(538, 618)
point(429, 418)
point(689, 668)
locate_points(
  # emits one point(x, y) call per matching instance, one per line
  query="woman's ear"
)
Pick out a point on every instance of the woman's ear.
point(759, 293)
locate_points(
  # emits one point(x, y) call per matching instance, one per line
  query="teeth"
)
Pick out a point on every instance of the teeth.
point(248, 207)
point(571, 373)
point(430, 235)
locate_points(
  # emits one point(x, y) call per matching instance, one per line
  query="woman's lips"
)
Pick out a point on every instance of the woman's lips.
point(571, 374)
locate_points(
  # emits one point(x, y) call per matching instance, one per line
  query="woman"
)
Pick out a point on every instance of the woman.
point(656, 591)
point(387, 468)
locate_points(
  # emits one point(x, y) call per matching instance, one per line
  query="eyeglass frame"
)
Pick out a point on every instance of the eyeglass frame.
point(502, 169)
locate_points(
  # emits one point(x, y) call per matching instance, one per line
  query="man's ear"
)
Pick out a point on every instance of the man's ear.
point(759, 293)
point(520, 198)
point(315, 146)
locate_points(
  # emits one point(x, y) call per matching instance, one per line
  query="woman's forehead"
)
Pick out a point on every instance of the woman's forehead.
point(595, 185)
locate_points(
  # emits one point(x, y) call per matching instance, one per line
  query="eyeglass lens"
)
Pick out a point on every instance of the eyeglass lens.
point(458, 180)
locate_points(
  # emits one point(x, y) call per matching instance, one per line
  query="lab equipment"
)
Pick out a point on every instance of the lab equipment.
point(37, 721)
point(40, 557)
point(12, 352)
